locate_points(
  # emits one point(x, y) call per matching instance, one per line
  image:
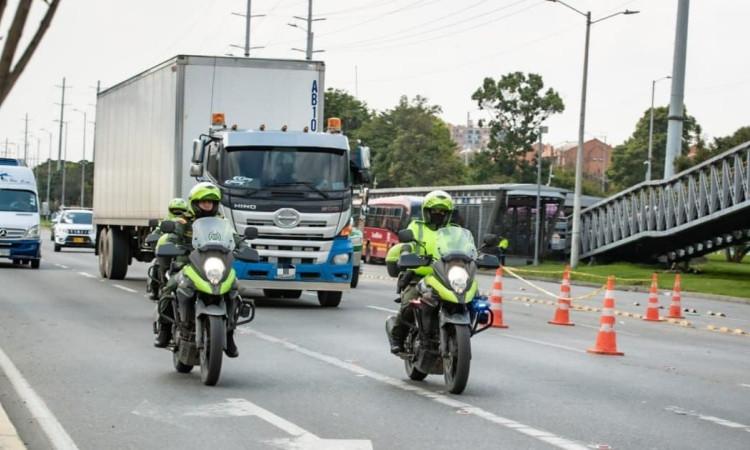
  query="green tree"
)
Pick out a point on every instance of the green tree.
point(628, 158)
point(411, 146)
point(72, 183)
point(352, 112)
point(722, 144)
point(518, 105)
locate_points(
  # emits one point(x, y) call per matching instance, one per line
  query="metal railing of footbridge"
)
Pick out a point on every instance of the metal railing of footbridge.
point(697, 211)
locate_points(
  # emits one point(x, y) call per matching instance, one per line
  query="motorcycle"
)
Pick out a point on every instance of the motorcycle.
point(447, 312)
point(207, 303)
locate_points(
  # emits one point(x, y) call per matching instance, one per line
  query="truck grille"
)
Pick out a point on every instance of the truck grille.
point(11, 233)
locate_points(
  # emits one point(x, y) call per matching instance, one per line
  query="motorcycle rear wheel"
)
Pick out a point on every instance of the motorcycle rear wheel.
point(457, 363)
point(214, 332)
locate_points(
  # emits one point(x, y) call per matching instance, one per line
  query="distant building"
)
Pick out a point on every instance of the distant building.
point(597, 157)
point(470, 138)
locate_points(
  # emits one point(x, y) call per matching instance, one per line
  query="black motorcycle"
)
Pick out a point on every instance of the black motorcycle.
point(447, 312)
point(207, 302)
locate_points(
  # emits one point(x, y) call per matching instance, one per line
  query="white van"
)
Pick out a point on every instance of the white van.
point(19, 216)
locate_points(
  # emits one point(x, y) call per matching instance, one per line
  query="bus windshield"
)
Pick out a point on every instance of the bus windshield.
point(320, 169)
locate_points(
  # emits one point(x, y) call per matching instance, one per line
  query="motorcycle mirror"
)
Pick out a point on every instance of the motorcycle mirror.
point(167, 226)
point(169, 250)
point(410, 261)
point(490, 239)
point(153, 223)
point(247, 254)
point(250, 233)
point(488, 262)
point(405, 236)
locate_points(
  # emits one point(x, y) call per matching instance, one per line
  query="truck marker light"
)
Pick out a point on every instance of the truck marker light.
point(334, 125)
point(217, 119)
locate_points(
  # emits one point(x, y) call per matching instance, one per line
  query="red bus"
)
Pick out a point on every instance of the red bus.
point(384, 218)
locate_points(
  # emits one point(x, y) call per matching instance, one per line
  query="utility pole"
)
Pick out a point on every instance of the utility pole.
point(62, 118)
point(65, 155)
point(248, 17)
point(6, 147)
point(649, 161)
point(49, 165)
point(310, 35)
point(676, 105)
point(538, 196)
point(83, 158)
point(93, 146)
point(26, 139)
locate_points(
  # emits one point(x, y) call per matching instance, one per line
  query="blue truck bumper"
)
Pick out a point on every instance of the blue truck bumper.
point(21, 249)
point(327, 276)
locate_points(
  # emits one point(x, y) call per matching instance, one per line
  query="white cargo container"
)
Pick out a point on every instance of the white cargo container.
point(145, 127)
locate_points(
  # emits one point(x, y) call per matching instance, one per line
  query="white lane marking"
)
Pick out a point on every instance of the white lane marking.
point(548, 344)
point(302, 439)
point(40, 412)
point(127, 289)
point(383, 309)
point(61, 266)
point(467, 408)
point(87, 275)
point(745, 385)
point(716, 420)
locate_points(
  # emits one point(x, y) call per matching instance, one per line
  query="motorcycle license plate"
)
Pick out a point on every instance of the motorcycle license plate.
point(286, 273)
point(78, 240)
point(4, 252)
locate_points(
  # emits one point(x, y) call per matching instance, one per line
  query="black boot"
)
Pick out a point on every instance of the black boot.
point(397, 334)
point(231, 348)
point(163, 335)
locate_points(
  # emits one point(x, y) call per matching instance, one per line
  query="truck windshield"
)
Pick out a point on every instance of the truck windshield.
point(18, 201)
point(320, 169)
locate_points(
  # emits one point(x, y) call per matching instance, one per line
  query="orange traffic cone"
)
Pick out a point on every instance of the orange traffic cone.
point(562, 314)
point(496, 300)
point(652, 311)
point(606, 340)
point(675, 309)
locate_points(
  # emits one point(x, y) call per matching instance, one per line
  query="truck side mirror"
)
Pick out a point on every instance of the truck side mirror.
point(360, 164)
point(153, 223)
point(197, 157)
point(196, 170)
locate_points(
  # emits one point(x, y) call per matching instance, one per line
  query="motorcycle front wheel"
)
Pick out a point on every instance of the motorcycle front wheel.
point(214, 332)
point(457, 362)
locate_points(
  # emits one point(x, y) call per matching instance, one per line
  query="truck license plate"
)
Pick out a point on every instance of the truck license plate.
point(286, 273)
point(4, 252)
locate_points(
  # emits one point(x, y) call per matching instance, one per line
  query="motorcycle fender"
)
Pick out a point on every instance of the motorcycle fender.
point(201, 309)
point(457, 320)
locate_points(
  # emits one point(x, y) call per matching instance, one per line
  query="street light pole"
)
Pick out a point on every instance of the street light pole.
point(49, 165)
point(649, 161)
point(83, 159)
point(538, 196)
point(576, 232)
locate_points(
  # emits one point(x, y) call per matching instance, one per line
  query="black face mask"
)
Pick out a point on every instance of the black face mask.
point(437, 217)
point(201, 213)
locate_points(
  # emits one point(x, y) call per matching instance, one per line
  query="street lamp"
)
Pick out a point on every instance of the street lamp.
point(83, 158)
point(576, 238)
point(542, 130)
point(49, 163)
point(651, 128)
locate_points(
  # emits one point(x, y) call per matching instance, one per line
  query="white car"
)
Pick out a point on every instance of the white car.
point(74, 228)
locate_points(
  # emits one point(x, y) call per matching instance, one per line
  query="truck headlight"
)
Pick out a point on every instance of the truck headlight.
point(458, 277)
point(341, 259)
point(32, 232)
point(214, 269)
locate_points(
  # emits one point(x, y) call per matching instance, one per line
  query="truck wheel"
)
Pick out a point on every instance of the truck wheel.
point(103, 252)
point(35, 263)
point(282, 293)
point(57, 248)
point(328, 299)
point(117, 259)
point(355, 277)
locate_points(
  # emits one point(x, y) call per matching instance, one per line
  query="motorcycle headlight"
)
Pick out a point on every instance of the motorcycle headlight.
point(32, 232)
point(459, 278)
point(214, 269)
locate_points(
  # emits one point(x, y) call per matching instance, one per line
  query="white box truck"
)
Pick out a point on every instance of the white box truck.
point(153, 141)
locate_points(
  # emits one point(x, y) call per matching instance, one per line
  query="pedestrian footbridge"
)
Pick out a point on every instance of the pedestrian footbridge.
point(698, 211)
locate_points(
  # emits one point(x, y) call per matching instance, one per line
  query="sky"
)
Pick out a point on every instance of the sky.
point(380, 50)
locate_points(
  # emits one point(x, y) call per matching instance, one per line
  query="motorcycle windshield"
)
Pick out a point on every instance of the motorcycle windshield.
point(455, 242)
point(212, 231)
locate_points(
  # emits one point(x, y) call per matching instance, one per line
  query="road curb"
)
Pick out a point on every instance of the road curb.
point(9, 439)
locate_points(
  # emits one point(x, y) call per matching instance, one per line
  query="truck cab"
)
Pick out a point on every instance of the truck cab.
point(295, 187)
point(19, 216)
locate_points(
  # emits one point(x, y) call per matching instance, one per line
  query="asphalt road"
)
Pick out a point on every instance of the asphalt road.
point(309, 377)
